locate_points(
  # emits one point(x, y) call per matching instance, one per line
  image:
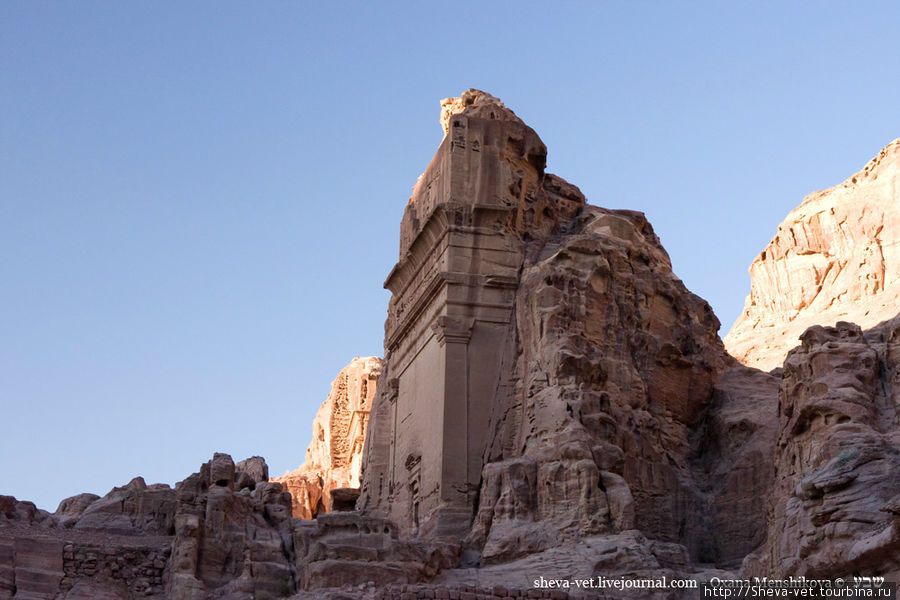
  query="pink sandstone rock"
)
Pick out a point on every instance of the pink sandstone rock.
point(334, 455)
point(475, 103)
point(836, 257)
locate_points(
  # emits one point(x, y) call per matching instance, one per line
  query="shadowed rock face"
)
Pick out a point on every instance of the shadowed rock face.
point(238, 540)
point(220, 530)
point(618, 361)
point(836, 257)
point(835, 507)
point(334, 456)
point(733, 465)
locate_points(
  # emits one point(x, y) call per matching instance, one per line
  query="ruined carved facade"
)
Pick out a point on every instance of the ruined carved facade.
point(450, 332)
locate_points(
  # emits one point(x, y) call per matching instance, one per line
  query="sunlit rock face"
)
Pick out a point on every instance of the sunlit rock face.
point(824, 304)
point(334, 456)
point(836, 257)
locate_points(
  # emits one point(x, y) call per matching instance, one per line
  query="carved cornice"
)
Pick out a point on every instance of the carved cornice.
point(452, 330)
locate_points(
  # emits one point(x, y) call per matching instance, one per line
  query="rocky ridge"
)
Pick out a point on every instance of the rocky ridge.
point(223, 528)
point(225, 532)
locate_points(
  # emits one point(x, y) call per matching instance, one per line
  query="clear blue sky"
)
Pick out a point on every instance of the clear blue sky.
point(199, 202)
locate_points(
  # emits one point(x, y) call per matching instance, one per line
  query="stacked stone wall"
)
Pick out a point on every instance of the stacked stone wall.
point(139, 569)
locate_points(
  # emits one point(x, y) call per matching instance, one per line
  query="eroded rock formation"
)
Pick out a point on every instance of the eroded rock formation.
point(220, 530)
point(547, 373)
point(611, 403)
point(835, 507)
point(618, 361)
point(836, 257)
point(334, 456)
point(829, 282)
point(223, 532)
point(475, 103)
point(552, 401)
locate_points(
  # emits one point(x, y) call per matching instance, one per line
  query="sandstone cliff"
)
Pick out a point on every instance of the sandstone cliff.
point(553, 401)
point(618, 360)
point(334, 455)
point(610, 404)
point(835, 507)
point(824, 300)
point(836, 257)
point(604, 401)
point(824, 304)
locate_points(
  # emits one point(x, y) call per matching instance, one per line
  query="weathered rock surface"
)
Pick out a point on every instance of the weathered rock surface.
point(547, 372)
point(450, 334)
point(239, 541)
point(120, 546)
point(341, 549)
point(626, 555)
point(135, 507)
point(732, 463)
point(836, 257)
point(835, 506)
point(829, 282)
point(208, 538)
point(22, 512)
point(250, 472)
point(334, 456)
point(30, 566)
point(618, 362)
point(553, 404)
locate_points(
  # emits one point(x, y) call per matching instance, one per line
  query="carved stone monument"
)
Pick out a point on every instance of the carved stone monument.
point(448, 332)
